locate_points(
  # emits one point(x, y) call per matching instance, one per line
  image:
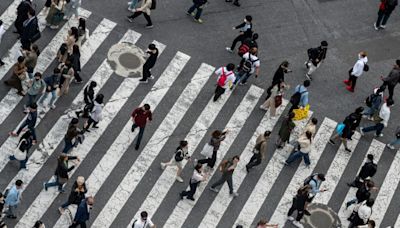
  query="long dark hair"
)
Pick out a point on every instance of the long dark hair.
point(35, 49)
point(75, 50)
point(75, 33)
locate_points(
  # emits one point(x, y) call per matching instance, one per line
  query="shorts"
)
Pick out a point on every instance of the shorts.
point(178, 164)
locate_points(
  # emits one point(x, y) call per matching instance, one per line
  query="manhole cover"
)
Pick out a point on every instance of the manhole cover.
point(126, 59)
point(321, 216)
point(129, 60)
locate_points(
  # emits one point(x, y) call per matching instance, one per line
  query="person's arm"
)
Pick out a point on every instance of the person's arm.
point(232, 167)
point(257, 71)
point(147, 4)
point(150, 116)
point(134, 114)
point(357, 69)
point(263, 149)
point(239, 26)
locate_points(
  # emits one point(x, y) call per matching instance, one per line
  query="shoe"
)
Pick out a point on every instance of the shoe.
point(285, 163)
point(179, 179)
point(236, 4)
point(306, 64)
point(229, 49)
point(13, 134)
point(298, 224)
point(61, 191)
point(190, 198)
point(52, 106)
point(193, 14)
point(348, 204)
point(290, 218)
point(371, 118)
point(375, 27)
point(143, 81)
point(214, 189)
point(347, 82)
point(149, 26)
point(11, 216)
point(308, 77)
point(382, 26)
point(78, 82)
point(45, 186)
point(234, 194)
point(129, 19)
point(362, 131)
point(347, 149)
point(352, 185)
point(1, 63)
point(195, 161)
point(350, 89)
point(87, 130)
point(181, 196)
point(331, 142)
point(95, 126)
point(242, 83)
point(198, 21)
point(137, 147)
point(380, 135)
point(54, 27)
point(263, 108)
point(151, 77)
point(247, 169)
point(26, 110)
point(306, 212)
point(162, 166)
point(390, 146)
point(61, 210)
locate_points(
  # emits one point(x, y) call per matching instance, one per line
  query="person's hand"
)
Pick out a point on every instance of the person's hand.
point(78, 159)
point(324, 190)
point(233, 28)
point(256, 75)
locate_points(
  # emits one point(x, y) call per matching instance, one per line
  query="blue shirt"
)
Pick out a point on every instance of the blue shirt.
point(304, 95)
point(13, 196)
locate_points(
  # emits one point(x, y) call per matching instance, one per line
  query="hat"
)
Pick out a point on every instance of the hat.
point(80, 180)
point(321, 176)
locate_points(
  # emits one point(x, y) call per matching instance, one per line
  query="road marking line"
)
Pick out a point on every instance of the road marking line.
point(10, 14)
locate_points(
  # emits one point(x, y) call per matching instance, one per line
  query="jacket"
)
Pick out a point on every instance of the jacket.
point(31, 119)
point(140, 117)
point(76, 197)
point(82, 213)
point(367, 170)
point(287, 127)
point(63, 169)
point(384, 114)
point(364, 213)
point(37, 87)
point(13, 197)
point(88, 95)
point(216, 142)
point(304, 95)
point(96, 113)
point(52, 81)
point(393, 78)
point(263, 148)
point(145, 7)
point(31, 59)
point(358, 67)
point(319, 54)
point(363, 194)
point(30, 29)
point(75, 61)
point(72, 132)
point(311, 128)
point(305, 144)
point(246, 29)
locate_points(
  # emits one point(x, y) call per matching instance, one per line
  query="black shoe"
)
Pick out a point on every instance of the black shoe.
point(1, 63)
point(306, 212)
point(348, 204)
point(331, 142)
point(132, 129)
point(351, 185)
point(11, 216)
point(191, 198)
point(236, 4)
point(137, 147)
point(347, 149)
point(77, 113)
point(181, 195)
point(95, 126)
point(86, 130)
point(247, 169)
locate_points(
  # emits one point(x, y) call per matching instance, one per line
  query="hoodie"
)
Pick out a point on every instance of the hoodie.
point(358, 68)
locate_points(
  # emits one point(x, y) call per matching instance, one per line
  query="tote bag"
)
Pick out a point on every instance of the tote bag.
point(18, 154)
point(207, 150)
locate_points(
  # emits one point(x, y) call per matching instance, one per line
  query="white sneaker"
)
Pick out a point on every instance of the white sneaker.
point(361, 131)
point(380, 135)
point(263, 108)
point(228, 49)
point(290, 218)
point(179, 179)
point(298, 224)
point(382, 26)
point(390, 146)
point(234, 194)
point(162, 166)
point(52, 106)
point(308, 77)
point(214, 189)
point(376, 28)
point(151, 77)
point(195, 161)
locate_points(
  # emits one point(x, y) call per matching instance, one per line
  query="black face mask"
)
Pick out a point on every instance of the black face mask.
point(37, 79)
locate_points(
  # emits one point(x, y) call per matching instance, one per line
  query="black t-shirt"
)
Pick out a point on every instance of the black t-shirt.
point(151, 61)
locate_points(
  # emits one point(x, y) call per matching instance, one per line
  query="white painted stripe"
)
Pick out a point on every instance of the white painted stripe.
point(235, 124)
point(10, 14)
point(222, 200)
point(376, 148)
point(110, 110)
point(271, 173)
point(143, 162)
point(103, 73)
point(386, 191)
point(9, 145)
point(397, 224)
point(336, 170)
point(199, 129)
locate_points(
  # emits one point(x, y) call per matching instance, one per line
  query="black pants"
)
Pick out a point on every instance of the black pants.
point(90, 122)
point(300, 212)
point(26, 44)
point(254, 161)
point(228, 179)
point(353, 81)
point(77, 76)
point(210, 161)
point(81, 224)
point(146, 72)
point(189, 194)
point(391, 90)
point(218, 92)
point(382, 18)
point(140, 135)
point(146, 16)
point(237, 39)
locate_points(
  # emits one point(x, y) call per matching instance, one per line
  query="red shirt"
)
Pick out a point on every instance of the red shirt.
point(140, 116)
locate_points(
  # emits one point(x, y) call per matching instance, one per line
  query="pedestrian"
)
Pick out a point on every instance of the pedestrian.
point(132, 5)
point(71, 8)
point(39, 224)
point(152, 51)
point(144, 9)
point(22, 150)
point(264, 224)
point(316, 56)
point(2, 203)
point(30, 31)
point(62, 53)
point(259, 150)
point(29, 122)
point(373, 103)
point(227, 167)
point(198, 5)
point(273, 100)
point(245, 32)
point(299, 204)
point(194, 181)
point(367, 171)
point(385, 9)
point(2, 31)
point(299, 99)
point(361, 214)
point(13, 199)
point(279, 77)
point(88, 98)
point(22, 15)
point(303, 150)
point(37, 87)
point(72, 134)
point(77, 194)
point(140, 116)
point(71, 39)
point(52, 83)
point(235, 2)
point(180, 153)
point(61, 173)
point(356, 71)
point(18, 75)
point(217, 137)
point(82, 31)
point(285, 130)
point(67, 73)
point(363, 193)
point(392, 79)
point(225, 80)
point(346, 129)
point(55, 15)
point(247, 44)
point(396, 141)
point(74, 58)
point(83, 212)
point(31, 57)
point(249, 64)
point(95, 115)
point(381, 120)
point(144, 221)
point(315, 181)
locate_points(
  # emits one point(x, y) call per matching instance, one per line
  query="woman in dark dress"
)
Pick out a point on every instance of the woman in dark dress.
point(74, 58)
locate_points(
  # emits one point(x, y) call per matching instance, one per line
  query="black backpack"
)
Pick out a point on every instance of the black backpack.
point(313, 53)
point(373, 169)
point(370, 99)
point(248, 64)
point(153, 5)
point(179, 155)
point(295, 98)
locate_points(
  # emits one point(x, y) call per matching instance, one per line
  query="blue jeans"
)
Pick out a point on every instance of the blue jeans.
point(133, 4)
point(297, 155)
point(22, 164)
point(68, 146)
point(377, 127)
point(395, 142)
point(198, 12)
point(55, 183)
point(369, 111)
point(53, 97)
point(242, 77)
point(140, 136)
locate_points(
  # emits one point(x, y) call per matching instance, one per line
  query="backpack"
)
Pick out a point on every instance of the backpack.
point(296, 97)
point(224, 165)
point(153, 5)
point(313, 53)
point(374, 168)
point(370, 99)
point(222, 78)
point(309, 179)
point(63, 49)
point(144, 225)
point(366, 67)
point(248, 64)
point(5, 194)
point(179, 155)
point(243, 49)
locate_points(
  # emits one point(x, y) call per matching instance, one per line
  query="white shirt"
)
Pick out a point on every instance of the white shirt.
point(364, 212)
point(196, 177)
point(2, 31)
point(254, 59)
point(384, 113)
point(143, 224)
point(96, 113)
point(358, 68)
point(229, 79)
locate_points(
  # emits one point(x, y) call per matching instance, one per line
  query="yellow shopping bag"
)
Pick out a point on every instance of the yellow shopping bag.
point(301, 113)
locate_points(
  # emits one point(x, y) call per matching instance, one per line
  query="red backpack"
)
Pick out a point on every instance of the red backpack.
point(243, 49)
point(222, 78)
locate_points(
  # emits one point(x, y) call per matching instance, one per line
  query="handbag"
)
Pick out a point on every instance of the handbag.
point(339, 128)
point(278, 101)
point(301, 113)
point(18, 154)
point(207, 150)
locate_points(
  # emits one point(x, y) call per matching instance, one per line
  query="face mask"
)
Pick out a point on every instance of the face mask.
point(37, 79)
point(244, 20)
point(359, 56)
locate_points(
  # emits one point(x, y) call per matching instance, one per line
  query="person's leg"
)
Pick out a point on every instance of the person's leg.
point(134, 15)
point(140, 136)
point(33, 132)
point(218, 92)
point(43, 98)
point(89, 122)
point(237, 39)
point(203, 161)
point(380, 17)
point(311, 68)
point(192, 8)
point(385, 18)
point(370, 128)
point(148, 19)
point(379, 128)
point(300, 214)
point(198, 13)
point(391, 90)
point(11, 210)
point(221, 180)
point(306, 158)
point(350, 202)
point(68, 146)
point(51, 184)
point(213, 159)
point(245, 77)
point(250, 164)
point(238, 76)
point(192, 191)
point(395, 142)
point(353, 82)
point(134, 126)
point(53, 97)
point(21, 127)
point(77, 76)
point(230, 183)
point(293, 157)
point(146, 72)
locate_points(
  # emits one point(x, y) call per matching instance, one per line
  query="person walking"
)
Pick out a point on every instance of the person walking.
point(285, 130)
point(373, 103)
point(55, 15)
point(305, 142)
point(13, 199)
point(396, 141)
point(299, 99)
point(83, 212)
point(180, 153)
point(67, 73)
point(392, 79)
point(31, 57)
point(96, 114)
point(74, 58)
point(362, 213)
point(298, 204)
point(61, 173)
point(346, 129)
point(249, 64)
point(132, 5)
point(30, 31)
point(235, 2)
point(227, 167)
point(2, 31)
point(18, 75)
point(77, 194)
point(22, 15)
point(144, 9)
point(385, 9)
point(144, 221)
point(88, 98)
point(198, 5)
point(140, 116)
point(279, 77)
point(225, 80)
point(245, 32)
point(152, 51)
point(315, 57)
point(2, 203)
point(72, 133)
point(36, 89)
point(29, 122)
point(247, 44)
point(381, 119)
point(315, 181)
point(217, 137)
point(82, 31)
point(367, 171)
point(354, 73)
point(194, 181)
point(363, 193)
point(274, 97)
point(22, 150)
point(71, 39)
point(71, 8)
point(264, 224)
point(259, 150)
point(52, 83)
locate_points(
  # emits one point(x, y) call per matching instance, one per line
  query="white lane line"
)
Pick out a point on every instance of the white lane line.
point(10, 14)
point(11, 100)
point(110, 110)
point(102, 74)
point(222, 200)
point(397, 224)
point(235, 124)
point(196, 133)
point(386, 191)
point(270, 174)
point(376, 148)
point(9, 145)
point(138, 169)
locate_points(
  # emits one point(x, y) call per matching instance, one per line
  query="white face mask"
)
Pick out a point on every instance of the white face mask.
point(245, 21)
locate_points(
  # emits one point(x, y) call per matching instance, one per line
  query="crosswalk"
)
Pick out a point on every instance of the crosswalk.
point(238, 108)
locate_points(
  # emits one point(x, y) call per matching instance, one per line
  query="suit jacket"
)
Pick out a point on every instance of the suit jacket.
point(30, 29)
point(82, 213)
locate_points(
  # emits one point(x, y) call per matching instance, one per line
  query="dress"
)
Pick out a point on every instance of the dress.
point(15, 81)
point(52, 18)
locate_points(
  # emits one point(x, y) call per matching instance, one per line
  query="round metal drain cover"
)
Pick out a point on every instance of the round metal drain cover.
point(321, 216)
point(126, 59)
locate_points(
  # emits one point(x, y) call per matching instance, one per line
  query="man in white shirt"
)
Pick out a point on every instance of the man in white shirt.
point(226, 77)
point(2, 31)
point(384, 115)
point(250, 63)
point(143, 222)
point(356, 71)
